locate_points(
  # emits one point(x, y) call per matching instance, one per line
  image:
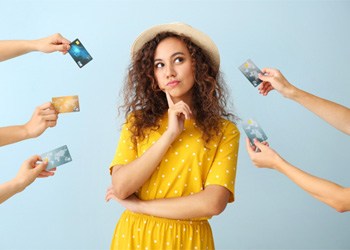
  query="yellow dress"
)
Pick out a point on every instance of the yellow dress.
point(187, 168)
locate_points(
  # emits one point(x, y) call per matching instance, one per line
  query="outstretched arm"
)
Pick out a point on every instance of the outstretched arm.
point(43, 117)
point(14, 48)
point(209, 202)
point(28, 172)
point(335, 114)
point(328, 192)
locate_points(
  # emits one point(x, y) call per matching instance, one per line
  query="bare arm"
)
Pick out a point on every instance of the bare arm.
point(209, 202)
point(28, 172)
point(12, 134)
point(43, 117)
point(326, 191)
point(336, 115)
point(14, 48)
point(9, 189)
point(128, 178)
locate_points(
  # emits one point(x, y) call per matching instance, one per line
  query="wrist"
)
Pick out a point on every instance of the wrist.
point(141, 207)
point(169, 136)
point(25, 132)
point(280, 165)
point(31, 45)
point(292, 92)
point(18, 185)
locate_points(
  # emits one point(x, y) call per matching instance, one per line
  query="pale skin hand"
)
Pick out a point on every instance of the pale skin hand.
point(53, 43)
point(265, 157)
point(335, 114)
point(29, 171)
point(326, 191)
point(44, 116)
point(128, 178)
point(273, 79)
point(13, 48)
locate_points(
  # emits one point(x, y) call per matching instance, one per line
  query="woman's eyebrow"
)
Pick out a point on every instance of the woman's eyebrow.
point(173, 55)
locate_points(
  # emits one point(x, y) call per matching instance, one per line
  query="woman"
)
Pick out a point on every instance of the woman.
point(175, 163)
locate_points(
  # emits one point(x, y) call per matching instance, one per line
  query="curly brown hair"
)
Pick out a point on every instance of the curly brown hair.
point(145, 103)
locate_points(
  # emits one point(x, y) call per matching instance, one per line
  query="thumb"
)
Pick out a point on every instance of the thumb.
point(62, 47)
point(265, 78)
point(248, 146)
point(61, 39)
point(41, 167)
point(259, 145)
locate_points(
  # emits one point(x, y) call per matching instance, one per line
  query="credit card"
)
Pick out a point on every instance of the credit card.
point(251, 72)
point(79, 53)
point(254, 131)
point(57, 157)
point(65, 104)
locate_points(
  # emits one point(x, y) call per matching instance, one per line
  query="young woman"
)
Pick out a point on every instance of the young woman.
point(175, 164)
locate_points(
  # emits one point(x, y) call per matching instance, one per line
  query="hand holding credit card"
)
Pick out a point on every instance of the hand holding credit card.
point(79, 53)
point(254, 131)
point(57, 157)
point(65, 104)
point(251, 72)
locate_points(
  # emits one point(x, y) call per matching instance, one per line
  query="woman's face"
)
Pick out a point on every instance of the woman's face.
point(173, 69)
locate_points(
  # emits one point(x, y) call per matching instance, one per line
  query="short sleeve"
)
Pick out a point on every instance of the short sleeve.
point(223, 169)
point(126, 152)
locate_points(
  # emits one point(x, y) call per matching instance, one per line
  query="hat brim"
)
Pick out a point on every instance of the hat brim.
point(199, 38)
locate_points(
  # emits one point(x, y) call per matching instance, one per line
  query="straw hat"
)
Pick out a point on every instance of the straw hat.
point(197, 37)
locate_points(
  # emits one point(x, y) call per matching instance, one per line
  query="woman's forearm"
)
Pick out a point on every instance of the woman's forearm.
point(12, 134)
point(326, 191)
point(209, 202)
point(8, 189)
point(128, 178)
point(335, 114)
point(11, 49)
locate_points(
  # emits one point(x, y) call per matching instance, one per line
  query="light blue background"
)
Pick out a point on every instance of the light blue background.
point(308, 41)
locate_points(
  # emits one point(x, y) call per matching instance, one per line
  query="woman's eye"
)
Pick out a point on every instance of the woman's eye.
point(159, 65)
point(179, 59)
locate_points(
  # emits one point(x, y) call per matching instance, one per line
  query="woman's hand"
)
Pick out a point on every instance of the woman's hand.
point(262, 155)
point(177, 113)
point(131, 203)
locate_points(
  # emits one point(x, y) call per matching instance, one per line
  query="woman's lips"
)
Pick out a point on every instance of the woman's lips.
point(172, 83)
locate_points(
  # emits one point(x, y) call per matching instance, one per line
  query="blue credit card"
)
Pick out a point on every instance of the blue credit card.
point(57, 157)
point(254, 131)
point(251, 72)
point(79, 53)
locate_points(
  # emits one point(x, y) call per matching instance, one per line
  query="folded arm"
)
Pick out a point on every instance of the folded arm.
point(209, 202)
